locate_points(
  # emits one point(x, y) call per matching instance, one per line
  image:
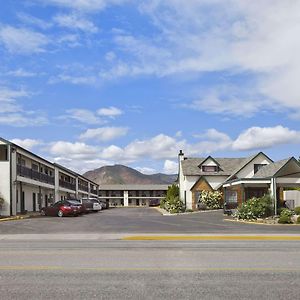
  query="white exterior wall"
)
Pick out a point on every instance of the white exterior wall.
point(248, 170)
point(5, 187)
point(209, 162)
point(292, 195)
point(188, 184)
point(215, 181)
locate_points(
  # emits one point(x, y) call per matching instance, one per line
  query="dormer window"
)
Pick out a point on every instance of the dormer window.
point(210, 168)
point(257, 167)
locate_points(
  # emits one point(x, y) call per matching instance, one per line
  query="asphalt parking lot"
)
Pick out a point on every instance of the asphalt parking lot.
point(138, 220)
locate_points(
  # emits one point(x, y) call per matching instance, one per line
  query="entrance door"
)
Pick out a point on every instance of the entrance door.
point(34, 201)
point(46, 200)
point(137, 202)
point(22, 202)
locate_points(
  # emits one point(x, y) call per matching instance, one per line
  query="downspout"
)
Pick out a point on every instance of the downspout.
point(10, 179)
point(274, 192)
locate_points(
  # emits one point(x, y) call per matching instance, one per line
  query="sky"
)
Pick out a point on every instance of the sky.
point(87, 83)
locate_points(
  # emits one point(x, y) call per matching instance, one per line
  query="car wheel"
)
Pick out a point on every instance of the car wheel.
point(60, 213)
point(43, 213)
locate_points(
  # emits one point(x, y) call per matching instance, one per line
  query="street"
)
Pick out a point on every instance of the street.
point(117, 269)
point(138, 220)
point(107, 255)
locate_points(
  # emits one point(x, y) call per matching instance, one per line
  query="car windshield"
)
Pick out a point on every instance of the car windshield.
point(73, 202)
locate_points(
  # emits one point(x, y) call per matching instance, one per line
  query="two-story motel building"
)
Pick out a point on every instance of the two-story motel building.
point(29, 182)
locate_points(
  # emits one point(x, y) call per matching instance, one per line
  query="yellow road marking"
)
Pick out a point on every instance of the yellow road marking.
point(210, 238)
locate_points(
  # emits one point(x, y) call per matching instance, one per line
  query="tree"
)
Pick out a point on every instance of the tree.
point(172, 202)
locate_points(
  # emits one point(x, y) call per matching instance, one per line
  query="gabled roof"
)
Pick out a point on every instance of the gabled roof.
point(246, 162)
point(207, 158)
point(190, 166)
point(201, 178)
point(273, 168)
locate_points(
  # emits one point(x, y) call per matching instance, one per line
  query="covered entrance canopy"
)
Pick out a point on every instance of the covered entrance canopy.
point(272, 178)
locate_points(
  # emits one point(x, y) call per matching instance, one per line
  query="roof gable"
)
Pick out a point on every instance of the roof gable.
point(247, 161)
point(276, 169)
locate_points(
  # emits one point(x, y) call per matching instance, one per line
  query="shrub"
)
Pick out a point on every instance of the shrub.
point(298, 220)
point(211, 199)
point(297, 210)
point(172, 202)
point(189, 210)
point(285, 217)
point(255, 208)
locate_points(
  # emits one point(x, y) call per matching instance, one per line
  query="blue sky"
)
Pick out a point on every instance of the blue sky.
point(88, 83)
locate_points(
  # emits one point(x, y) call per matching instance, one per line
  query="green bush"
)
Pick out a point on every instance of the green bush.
point(172, 202)
point(298, 220)
point(189, 210)
point(211, 199)
point(297, 210)
point(285, 216)
point(285, 220)
point(255, 208)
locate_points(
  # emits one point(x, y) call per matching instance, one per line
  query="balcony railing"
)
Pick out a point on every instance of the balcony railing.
point(83, 187)
point(35, 175)
point(94, 192)
point(67, 185)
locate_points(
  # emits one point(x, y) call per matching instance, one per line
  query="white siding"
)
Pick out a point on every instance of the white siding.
point(5, 187)
point(215, 181)
point(248, 170)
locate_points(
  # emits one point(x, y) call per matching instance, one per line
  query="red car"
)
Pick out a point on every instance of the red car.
point(61, 209)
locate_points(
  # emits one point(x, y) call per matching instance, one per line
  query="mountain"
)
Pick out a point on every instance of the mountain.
point(119, 174)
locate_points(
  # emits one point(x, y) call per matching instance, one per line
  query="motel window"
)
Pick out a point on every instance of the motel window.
point(257, 167)
point(3, 153)
point(21, 161)
point(231, 196)
point(34, 167)
point(209, 168)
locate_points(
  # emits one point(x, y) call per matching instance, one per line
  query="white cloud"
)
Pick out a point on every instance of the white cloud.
point(165, 149)
point(229, 105)
point(31, 20)
point(13, 114)
point(26, 143)
point(109, 111)
point(104, 134)
point(75, 21)
point(146, 170)
point(265, 137)
point(258, 40)
point(170, 167)
point(73, 79)
point(72, 150)
point(83, 5)
point(22, 40)
point(21, 73)
point(83, 116)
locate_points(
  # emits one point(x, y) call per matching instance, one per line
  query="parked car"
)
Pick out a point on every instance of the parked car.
point(103, 204)
point(76, 202)
point(93, 204)
point(61, 209)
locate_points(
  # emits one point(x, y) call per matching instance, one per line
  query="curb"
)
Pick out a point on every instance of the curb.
point(259, 223)
point(14, 218)
point(166, 213)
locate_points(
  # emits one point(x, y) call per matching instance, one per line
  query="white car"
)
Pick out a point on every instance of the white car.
point(95, 205)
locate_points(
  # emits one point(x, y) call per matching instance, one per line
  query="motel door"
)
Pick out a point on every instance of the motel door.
point(34, 201)
point(22, 201)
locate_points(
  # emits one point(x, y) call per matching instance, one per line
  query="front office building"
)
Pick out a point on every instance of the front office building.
point(28, 182)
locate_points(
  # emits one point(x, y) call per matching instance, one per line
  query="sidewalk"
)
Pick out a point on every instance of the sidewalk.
point(20, 216)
